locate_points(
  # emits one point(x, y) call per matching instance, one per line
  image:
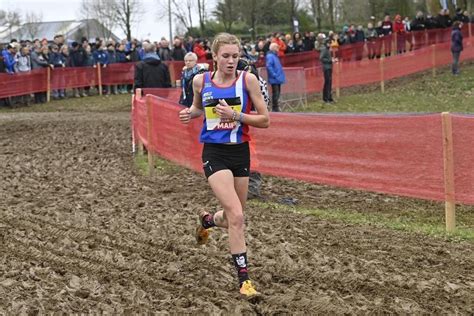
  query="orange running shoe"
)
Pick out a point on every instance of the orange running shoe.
point(248, 290)
point(202, 234)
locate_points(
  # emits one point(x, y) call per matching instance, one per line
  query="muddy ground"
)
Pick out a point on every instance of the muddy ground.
point(82, 230)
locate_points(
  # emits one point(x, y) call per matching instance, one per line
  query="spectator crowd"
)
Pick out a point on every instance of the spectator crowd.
point(352, 43)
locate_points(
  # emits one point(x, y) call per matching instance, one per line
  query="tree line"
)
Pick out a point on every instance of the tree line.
point(248, 18)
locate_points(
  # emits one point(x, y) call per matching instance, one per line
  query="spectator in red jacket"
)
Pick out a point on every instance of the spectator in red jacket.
point(399, 30)
point(199, 50)
point(279, 40)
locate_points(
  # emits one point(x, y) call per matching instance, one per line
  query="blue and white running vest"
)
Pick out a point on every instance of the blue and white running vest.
point(220, 131)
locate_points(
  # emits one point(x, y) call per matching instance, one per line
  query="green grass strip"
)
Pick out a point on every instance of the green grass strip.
point(372, 219)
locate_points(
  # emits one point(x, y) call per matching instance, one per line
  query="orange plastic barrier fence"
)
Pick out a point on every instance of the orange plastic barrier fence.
point(139, 121)
point(347, 74)
point(172, 94)
point(394, 154)
point(463, 140)
point(23, 83)
point(77, 77)
point(121, 73)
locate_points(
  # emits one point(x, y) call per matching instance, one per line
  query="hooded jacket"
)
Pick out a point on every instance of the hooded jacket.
point(152, 73)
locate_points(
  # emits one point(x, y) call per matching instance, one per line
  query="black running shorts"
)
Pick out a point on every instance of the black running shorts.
point(235, 158)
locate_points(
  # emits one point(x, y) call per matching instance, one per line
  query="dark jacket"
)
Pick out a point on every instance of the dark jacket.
point(187, 92)
point(152, 73)
point(325, 58)
point(418, 24)
point(77, 58)
point(2, 65)
point(456, 40)
point(165, 53)
point(57, 59)
point(178, 52)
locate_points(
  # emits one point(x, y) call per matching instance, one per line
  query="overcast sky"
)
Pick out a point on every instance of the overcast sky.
point(151, 26)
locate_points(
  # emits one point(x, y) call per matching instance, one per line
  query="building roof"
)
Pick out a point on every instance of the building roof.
point(48, 30)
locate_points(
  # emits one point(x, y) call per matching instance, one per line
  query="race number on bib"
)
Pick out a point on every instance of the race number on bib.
point(214, 122)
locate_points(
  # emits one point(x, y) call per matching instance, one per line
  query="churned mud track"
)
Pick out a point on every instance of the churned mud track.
point(81, 230)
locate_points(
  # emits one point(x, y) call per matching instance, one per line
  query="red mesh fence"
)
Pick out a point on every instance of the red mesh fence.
point(463, 135)
point(170, 138)
point(376, 153)
point(172, 94)
point(293, 92)
point(121, 73)
point(370, 152)
point(23, 83)
point(77, 77)
point(139, 121)
point(305, 60)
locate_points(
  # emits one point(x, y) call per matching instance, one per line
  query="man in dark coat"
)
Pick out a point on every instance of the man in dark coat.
point(151, 72)
point(326, 61)
point(456, 46)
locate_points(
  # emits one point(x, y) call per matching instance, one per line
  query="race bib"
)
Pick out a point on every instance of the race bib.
point(214, 122)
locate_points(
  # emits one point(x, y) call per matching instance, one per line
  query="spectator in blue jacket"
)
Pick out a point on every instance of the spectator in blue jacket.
point(58, 60)
point(276, 75)
point(9, 58)
point(100, 55)
point(112, 59)
point(456, 46)
point(77, 58)
point(101, 59)
point(121, 57)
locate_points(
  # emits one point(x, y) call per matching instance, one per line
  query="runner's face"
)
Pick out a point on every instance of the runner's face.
point(227, 58)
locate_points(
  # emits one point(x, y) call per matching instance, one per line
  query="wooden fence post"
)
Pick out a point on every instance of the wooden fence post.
point(99, 78)
point(448, 159)
point(382, 82)
point(149, 134)
point(48, 84)
point(172, 74)
point(433, 58)
point(394, 44)
point(470, 33)
point(138, 94)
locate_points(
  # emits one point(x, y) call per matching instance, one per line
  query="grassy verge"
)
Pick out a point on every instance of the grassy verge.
point(416, 93)
point(161, 166)
point(405, 223)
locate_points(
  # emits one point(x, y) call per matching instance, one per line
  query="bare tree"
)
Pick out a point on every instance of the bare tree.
point(331, 13)
point(249, 10)
point(202, 13)
point(293, 9)
point(226, 12)
point(103, 12)
point(128, 13)
point(181, 10)
point(10, 19)
point(32, 23)
point(433, 6)
point(3, 15)
point(316, 9)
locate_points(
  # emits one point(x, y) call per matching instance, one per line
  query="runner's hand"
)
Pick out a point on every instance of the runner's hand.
point(185, 115)
point(224, 110)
